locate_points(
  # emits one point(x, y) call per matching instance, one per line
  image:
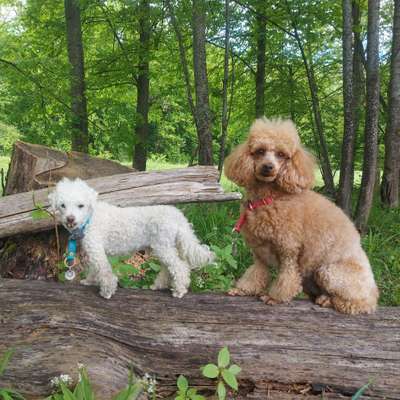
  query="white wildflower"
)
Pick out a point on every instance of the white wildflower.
point(64, 378)
point(149, 383)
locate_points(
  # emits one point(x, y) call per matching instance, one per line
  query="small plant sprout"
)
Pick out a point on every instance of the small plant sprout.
point(62, 379)
point(185, 392)
point(224, 373)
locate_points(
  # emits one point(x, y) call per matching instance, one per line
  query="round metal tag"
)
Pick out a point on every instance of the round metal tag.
point(69, 275)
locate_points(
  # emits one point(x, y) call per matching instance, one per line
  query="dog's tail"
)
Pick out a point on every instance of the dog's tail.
point(190, 249)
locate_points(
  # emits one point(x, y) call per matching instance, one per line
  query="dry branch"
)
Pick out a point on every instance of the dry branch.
point(288, 348)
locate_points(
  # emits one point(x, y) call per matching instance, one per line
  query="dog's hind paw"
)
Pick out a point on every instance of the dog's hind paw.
point(87, 282)
point(324, 301)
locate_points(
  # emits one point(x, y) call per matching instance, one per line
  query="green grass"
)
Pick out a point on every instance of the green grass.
point(4, 160)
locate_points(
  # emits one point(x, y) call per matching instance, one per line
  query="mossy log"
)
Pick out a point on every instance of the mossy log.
point(295, 351)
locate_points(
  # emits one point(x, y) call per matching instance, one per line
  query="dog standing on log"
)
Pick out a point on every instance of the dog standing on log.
point(107, 230)
point(314, 245)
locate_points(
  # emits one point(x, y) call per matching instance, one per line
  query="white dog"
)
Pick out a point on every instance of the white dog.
point(109, 230)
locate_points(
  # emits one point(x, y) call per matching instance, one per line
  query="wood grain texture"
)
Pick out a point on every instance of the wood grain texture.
point(54, 326)
point(185, 185)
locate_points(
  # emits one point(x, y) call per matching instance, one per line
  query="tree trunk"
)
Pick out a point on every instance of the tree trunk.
point(292, 94)
point(281, 350)
point(391, 173)
point(183, 60)
point(203, 112)
point(261, 32)
point(371, 120)
point(347, 159)
point(224, 116)
point(143, 87)
point(79, 122)
point(327, 174)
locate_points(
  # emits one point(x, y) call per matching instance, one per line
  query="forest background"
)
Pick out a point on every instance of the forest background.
point(175, 83)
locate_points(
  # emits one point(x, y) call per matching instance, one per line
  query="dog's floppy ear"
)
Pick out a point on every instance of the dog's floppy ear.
point(297, 173)
point(239, 166)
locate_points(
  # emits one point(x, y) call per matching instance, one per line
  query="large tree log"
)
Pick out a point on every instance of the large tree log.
point(283, 350)
point(35, 167)
point(183, 185)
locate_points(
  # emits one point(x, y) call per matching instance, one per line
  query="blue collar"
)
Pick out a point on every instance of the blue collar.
point(75, 235)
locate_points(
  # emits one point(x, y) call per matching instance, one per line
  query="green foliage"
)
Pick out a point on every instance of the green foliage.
point(223, 374)
point(83, 390)
point(6, 393)
point(185, 392)
point(361, 391)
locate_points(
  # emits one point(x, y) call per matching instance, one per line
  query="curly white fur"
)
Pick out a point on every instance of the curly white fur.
point(121, 231)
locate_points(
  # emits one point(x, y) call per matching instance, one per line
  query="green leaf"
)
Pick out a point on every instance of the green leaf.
point(68, 395)
point(182, 383)
point(39, 214)
point(234, 369)
point(210, 371)
point(198, 397)
point(180, 397)
point(5, 360)
point(230, 379)
point(4, 395)
point(155, 267)
point(221, 391)
point(360, 391)
point(223, 358)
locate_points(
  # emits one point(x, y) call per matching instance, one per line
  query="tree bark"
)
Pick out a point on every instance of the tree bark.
point(391, 173)
point(203, 112)
point(327, 174)
point(347, 159)
point(183, 59)
point(371, 120)
point(143, 88)
point(224, 114)
point(79, 122)
point(281, 350)
point(261, 33)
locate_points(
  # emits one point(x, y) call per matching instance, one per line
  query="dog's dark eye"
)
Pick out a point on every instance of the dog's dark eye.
point(81, 205)
point(259, 152)
point(62, 205)
point(281, 154)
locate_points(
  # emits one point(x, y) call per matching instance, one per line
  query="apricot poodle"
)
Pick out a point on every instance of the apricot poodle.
point(311, 242)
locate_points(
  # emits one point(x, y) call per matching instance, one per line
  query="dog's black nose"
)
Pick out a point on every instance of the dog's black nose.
point(266, 169)
point(70, 219)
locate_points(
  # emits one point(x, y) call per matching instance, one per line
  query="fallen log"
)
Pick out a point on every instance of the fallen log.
point(185, 185)
point(295, 351)
point(34, 166)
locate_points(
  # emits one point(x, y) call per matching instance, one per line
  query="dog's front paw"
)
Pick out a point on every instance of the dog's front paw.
point(179, 293)
point(108, 288)
point(267, 299)
point(238, 292)
point(88, 282)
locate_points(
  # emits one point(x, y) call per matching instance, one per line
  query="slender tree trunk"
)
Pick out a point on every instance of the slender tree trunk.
point(224, 117)
point(203, 113)
point(183, 59)
point(371, 121)
point(292, 93)
point(79, 122)
point(347, 159)
point(325, 163)
point(261, 33)
point(391, 173)
point(143, 88)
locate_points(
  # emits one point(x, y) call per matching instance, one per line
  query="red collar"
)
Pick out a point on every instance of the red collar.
point(251, 206)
